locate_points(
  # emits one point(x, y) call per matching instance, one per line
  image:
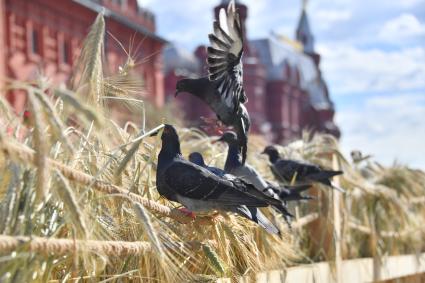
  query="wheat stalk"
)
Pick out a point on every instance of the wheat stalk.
point(40, 157)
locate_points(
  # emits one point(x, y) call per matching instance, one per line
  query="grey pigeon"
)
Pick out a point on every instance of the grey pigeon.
point(200, 190)
point(248, 173)
point(285, 170)
point(257, 215)
point(358, 157)
point(223, 89)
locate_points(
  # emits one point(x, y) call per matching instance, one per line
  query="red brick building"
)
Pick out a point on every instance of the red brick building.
point(44, 36)
point(282, 79)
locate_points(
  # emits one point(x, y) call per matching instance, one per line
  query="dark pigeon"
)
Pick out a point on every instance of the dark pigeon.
point(248, 173)
point(223, 89)
point(257, 215)
point(285, 170)
point(200, 190)
point(198, 159)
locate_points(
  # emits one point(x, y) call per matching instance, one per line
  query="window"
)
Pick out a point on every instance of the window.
point(121, 3)
point(65, 52)
point(35, 41)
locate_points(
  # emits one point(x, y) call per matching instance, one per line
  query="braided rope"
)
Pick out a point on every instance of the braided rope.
point(58, 247)
point(47, 246)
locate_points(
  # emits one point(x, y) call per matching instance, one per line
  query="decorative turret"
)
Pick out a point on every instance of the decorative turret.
point(305, 37)
point(303, 33)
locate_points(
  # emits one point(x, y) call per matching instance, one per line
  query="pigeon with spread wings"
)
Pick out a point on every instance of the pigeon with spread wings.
point(223, 88)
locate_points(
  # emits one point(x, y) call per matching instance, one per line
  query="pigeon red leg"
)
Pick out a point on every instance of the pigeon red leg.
point(187, 212)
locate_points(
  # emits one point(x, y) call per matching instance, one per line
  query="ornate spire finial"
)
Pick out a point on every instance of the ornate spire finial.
point(305, 3)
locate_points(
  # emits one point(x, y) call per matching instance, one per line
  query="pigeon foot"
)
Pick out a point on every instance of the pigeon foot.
point(187, 212)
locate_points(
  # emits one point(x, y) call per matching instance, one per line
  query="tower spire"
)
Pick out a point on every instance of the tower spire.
point(303, 33)
point(305, 3)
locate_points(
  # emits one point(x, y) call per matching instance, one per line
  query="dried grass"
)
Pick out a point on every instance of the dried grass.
point(103, 190)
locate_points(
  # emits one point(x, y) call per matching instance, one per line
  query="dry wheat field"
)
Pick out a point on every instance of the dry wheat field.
point(78, 200)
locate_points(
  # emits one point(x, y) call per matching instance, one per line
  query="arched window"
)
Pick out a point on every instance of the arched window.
point(65, 52)
point(286, 71)
point(296, 76)
point(35, 41)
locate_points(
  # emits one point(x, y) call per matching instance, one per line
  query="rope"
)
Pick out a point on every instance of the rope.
point(59, 247)
point(26, 155)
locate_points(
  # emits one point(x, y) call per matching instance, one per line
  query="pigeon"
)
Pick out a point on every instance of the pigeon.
point(248, 173)
point(199, 190)
point(286, 170)
point(358, 157)
point(198, 159)
point(223, 88)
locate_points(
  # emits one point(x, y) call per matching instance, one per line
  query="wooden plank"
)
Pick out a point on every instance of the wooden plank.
point(337, 221)
point(352, 271)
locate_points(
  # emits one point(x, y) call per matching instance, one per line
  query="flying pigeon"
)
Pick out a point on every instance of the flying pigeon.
point(200, 190)
point(248, 173)
point(223, 89)
point(286, 170)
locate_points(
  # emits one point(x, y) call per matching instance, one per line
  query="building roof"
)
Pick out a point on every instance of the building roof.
point(284, 62)
point(96, 7)
point(181, 61)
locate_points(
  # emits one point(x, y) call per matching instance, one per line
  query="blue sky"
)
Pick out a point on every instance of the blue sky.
point(373, 58)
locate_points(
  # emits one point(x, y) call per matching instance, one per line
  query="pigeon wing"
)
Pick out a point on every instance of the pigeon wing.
point(192, 181)
point(225, 57)
point(305, 170)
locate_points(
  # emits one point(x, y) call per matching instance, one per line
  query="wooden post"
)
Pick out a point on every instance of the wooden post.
point(337, 222)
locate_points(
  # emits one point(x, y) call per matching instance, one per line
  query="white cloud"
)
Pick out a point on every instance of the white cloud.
point(410, 3)
point(402, 27)
point(389, 127)
point(352, 70)
point(325, 19)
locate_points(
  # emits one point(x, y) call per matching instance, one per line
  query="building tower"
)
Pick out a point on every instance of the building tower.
point(303, 32)
point(305, 36)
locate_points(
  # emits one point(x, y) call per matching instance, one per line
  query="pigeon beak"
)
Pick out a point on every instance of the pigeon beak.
point(154, 134)
point(263, 152)
point(156, 131)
